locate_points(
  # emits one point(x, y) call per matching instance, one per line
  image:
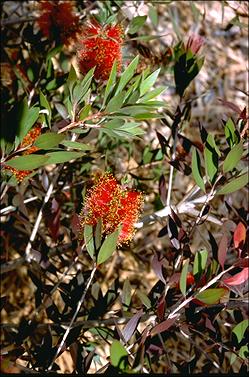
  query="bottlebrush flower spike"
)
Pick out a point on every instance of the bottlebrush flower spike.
point(99, 47)
point(27, 143)
point(115, 206)
point(57, 21)
point(98, 199)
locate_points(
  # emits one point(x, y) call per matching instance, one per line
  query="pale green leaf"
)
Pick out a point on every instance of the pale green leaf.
point(183, 278)
point(144, 299)
point(62, 156)
point(110, 82)
point(136, 23)
point(108, 247)
point(148, 82)
point(127, 74)
point(48, 140)
point(240, 329)
point(211, 296)
point(200, 262)
point(234, 185)
point(89, 241)
point(233, 157)
point(29, 162)
point(77, 145)
point(115, 103)
point(117, 354)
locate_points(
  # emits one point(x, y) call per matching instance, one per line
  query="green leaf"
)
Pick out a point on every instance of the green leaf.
point(196, 169)
point(118, 354)
point(63, 156)
point(89, 241)
point(243, 352)
point(71, 80)
point(233, 157)
point(136, 23)
point(152, 94)
point(126, 294)
point(148, 116)
point(98, 234)
point(115, 103)
point(234, 185)
point(211, 158)
point(77, 145)
point(149, 82)
point(27, 117)
point(144, 299)
point(110, 82)
point(81, 88)
point(30, 162)
point(108, 247)
point(44, 103)
point(211, 296)
point(200, 262)
point(84, 112)
point(153, 15)
point(127, 75)
point(240, 329)
point(231, 133)
point(48, 140)
point(54, 51)
point(183, 278)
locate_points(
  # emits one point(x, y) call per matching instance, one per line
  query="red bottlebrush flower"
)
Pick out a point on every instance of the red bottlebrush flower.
point(27, 142)
point(57, 21)
point(129, 208)
point(107, 200)
point(98, 199)
point(194, 43)
point(99, 47)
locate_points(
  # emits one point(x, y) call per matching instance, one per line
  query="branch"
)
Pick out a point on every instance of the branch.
point(37, 223)
point(74, 317)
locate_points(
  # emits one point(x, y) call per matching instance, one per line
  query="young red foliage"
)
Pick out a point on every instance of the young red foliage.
point(239, 236)
point(99, 47)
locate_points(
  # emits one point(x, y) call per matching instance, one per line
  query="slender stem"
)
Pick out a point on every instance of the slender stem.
point(16, 21)
point(37, 222)
point(89, 323)
point(74, 317)
point(171, 172)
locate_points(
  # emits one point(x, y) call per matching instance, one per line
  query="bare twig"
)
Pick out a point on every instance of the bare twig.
point(74, 317)
point(16, 21)
point(37, 223)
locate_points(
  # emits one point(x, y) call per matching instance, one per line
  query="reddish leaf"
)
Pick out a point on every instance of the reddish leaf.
point(239, 278)
point(157, 267)
point(161, 307)
point(131, 326)
point(162, 189)
point(230, 105)
point(52, 218)
point(163, 326)
point(75, 224)
point(222, 251)
point(239, 235)
point(242, 262)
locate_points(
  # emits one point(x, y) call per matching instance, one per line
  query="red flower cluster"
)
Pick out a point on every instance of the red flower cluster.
point(27, 143)
point(100, 47)
point(107, 200)
point(57, 20)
